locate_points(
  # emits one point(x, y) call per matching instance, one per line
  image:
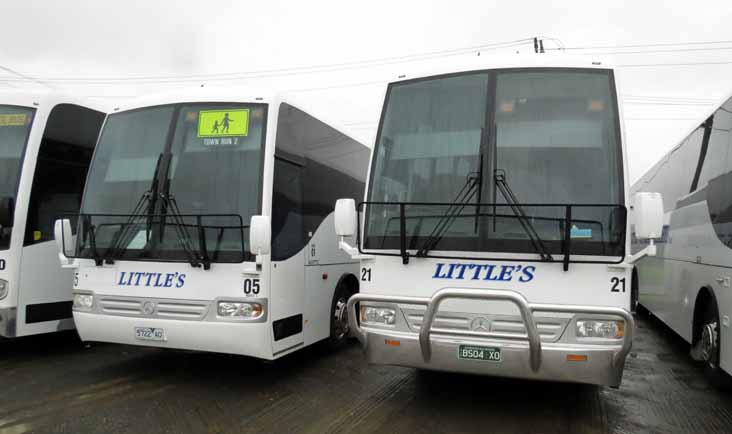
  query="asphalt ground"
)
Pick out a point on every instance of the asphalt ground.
point(56, 384)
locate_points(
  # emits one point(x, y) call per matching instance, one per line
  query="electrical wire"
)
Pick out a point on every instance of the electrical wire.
point(276, 72)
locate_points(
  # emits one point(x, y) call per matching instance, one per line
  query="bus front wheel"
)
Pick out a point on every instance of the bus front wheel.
point(339, 328)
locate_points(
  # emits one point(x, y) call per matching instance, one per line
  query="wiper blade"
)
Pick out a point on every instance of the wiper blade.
point(464, 196)
point(518, 210)
point(195, 258)
point(120, 239)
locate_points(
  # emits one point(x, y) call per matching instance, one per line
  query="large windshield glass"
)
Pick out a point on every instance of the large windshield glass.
point(175, 182)
point(15, 125)
point(528, 142)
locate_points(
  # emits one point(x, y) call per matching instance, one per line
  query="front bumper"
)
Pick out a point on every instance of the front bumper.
point(524, 357)
point(249, 339)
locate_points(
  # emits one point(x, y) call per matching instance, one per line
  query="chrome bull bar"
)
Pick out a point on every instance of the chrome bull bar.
point(526, 309)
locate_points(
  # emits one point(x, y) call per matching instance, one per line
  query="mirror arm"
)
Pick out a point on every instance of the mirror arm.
point(352, 251)
point(650, 250)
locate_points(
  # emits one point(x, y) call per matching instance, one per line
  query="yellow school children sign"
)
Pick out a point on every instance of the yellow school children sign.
point(223, 123)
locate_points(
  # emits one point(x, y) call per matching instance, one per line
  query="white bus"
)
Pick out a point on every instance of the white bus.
point(493, 236)
point(688, 284)
point(206, 224)
point(46, 144)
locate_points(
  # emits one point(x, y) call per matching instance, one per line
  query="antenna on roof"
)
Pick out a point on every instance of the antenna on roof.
point(541, 46)
point(536, 45)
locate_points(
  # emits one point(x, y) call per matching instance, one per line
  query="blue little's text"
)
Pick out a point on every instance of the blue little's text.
point(157, 280)
point(490, 272)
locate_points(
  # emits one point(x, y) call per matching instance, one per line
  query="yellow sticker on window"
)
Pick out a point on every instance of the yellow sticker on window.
point(16, 120)
point(223, 123)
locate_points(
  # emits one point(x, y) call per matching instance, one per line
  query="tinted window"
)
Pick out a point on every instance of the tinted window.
point(196, 167)
point(15, 126)
point(673, 175)
point(288, 234)
point(63, 160)
point(328, 164)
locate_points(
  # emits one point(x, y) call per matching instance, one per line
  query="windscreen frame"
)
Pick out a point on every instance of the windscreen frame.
point(491, 103)
point(165, 172)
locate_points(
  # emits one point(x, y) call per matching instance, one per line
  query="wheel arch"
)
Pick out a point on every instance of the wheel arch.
point(704, 297)
point(348, 280)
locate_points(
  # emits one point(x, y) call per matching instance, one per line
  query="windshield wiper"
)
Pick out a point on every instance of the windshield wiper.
point(536, 241)
point(115, 249)
point(91, 230)
point(145, 206)
point(464, 196)
point(195, 258)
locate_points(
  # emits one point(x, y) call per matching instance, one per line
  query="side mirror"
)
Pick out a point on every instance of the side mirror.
point(7, 210)
point(648, 215)
point(260, 235)
point(64, 239)
point(346, 217)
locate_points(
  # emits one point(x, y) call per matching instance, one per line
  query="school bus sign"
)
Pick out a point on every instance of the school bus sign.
point(223, 123)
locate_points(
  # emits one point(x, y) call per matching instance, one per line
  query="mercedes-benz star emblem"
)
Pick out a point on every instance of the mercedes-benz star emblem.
point(480, 323)
point(148, 308)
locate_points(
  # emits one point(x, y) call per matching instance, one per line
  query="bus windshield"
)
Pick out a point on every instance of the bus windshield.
point(175, 182)
point(15, 125)
point(512, 160)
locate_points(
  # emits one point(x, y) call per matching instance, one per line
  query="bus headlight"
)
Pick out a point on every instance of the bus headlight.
point(378, 315)
point(3, 288)
point(83, 301)
point(240, 309)
point(605, 329)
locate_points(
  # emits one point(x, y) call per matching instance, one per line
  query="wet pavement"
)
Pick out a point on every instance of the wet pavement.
point(55, 384)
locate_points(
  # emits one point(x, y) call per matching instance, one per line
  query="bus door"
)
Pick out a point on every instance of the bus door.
point(287, 295)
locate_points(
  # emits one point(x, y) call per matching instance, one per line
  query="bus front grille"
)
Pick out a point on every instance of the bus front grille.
point(154, 308)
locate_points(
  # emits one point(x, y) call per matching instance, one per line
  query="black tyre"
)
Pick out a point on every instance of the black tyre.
point(339, 329)
point(707, 347)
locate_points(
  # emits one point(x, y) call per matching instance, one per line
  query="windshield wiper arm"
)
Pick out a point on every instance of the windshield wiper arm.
point(196, 258)
point(115, 249)
point(464, 196)
point(518, 210)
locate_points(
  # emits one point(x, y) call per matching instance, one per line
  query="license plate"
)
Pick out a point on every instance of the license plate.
point(149, 334)
point(474, 352)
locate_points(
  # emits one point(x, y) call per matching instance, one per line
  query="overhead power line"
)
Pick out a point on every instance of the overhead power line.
point(294, 70)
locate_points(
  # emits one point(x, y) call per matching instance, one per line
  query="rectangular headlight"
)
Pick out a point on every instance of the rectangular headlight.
point(83, 301)
point(605, 329)
point(3, 288)
point(378, 315)
point(240, 309)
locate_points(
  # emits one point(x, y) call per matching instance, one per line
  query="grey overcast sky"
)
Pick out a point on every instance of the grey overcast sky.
point(117, 49)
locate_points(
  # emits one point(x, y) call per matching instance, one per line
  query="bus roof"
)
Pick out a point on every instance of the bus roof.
point(49, 99)
point(486, 61)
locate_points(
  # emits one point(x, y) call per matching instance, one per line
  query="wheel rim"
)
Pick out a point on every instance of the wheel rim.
point(709, 343)
point(340, 318)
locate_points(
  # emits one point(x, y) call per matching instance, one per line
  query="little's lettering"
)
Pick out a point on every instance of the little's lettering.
point(157, 280)
point(490, 272)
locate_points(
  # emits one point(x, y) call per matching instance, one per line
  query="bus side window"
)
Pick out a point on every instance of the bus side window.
point(288, 235)
point(61, 167)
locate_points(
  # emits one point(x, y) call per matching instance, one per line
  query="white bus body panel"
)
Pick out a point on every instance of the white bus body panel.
point(34, 274)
